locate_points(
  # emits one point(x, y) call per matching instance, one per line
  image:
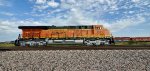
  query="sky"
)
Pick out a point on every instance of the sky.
point(130, 18)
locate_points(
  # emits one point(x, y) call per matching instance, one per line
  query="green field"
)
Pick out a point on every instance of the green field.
point(133, 43)
point(6, 45)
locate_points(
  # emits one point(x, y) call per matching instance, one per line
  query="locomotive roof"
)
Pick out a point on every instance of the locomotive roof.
point(33, 27)
point(55, 27)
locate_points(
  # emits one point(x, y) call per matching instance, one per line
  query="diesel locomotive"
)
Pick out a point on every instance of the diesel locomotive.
point(46, 35)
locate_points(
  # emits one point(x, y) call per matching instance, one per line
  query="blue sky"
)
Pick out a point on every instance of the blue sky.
point(121, 17)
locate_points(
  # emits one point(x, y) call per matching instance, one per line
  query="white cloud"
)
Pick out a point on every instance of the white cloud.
point(54, 11)
point(135, 1)
point(131, 12)
point(86, 11)
point(124, 23)
point(74, 17)
point(52, 3)
point(8, 26)
point(71, 1)
point(41, 7)
point(40, 1)
point(79, 13)
point(44, 4)
point(7, 13)
point(5, 3)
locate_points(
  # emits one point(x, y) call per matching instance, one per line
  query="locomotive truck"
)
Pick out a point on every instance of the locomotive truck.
point(44, 35)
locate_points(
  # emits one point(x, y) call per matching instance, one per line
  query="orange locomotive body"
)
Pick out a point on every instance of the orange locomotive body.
point(85, 33)
point(96, 31)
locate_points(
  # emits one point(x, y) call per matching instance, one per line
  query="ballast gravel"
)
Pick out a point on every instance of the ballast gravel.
point(75, 60)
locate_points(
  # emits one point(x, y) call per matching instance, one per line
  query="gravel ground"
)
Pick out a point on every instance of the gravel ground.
point(75, 60)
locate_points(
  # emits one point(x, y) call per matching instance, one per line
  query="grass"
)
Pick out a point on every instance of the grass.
point(133, 43)
point(6, 45)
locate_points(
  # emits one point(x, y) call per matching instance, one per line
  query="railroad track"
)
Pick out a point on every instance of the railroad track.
point(114, 47)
